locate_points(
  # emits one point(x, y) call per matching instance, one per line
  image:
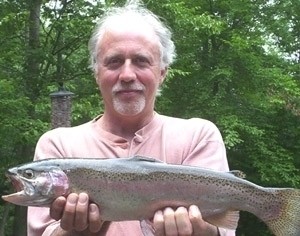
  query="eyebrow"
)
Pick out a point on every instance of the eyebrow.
point(143, 54)
point(111, 55)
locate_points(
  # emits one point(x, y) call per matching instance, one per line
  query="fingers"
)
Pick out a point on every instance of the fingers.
point(68, 216)
point(196, 218)
point(57, 208)
point(76, 213)
point(159, 224)
point(182, 222)
point(170, 222)
point(81, 215)
point(200, 227)
point(184, 225)
point(95, 222)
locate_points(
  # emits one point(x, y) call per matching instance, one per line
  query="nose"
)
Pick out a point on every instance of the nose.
point(127, 73)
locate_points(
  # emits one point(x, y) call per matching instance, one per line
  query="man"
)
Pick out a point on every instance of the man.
point(131, 51)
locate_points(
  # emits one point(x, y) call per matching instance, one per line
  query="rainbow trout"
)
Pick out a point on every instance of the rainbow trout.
point(135, 188)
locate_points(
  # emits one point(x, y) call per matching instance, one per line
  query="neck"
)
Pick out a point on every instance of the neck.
point(125, 126)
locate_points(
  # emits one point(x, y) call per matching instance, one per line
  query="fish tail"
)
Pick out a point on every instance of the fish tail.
point(283, 217)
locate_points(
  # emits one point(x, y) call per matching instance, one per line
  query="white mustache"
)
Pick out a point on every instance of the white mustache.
point(119, 88)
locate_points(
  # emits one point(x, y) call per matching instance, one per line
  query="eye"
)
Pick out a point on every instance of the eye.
point(114, 62)
point(29, 174)
point(141, 61)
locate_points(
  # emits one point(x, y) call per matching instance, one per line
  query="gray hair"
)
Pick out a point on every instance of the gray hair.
point(133, 8)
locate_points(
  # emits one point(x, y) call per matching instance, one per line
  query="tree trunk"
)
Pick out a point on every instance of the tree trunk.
point(32, 87)
point(33, 56)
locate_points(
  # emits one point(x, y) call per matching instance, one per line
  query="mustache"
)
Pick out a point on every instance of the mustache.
point(124, 87)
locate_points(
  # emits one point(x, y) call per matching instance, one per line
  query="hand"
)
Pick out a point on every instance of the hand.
point(183, 222)
point(76, 213)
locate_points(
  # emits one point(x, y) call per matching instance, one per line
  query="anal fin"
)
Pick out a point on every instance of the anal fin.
point(227, 219)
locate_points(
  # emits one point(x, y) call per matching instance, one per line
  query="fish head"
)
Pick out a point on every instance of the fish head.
point(36, 186)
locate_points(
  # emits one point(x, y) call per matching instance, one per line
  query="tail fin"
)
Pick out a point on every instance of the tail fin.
point(287, 222)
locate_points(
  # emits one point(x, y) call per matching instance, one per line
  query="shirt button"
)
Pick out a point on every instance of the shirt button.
point(138, 139)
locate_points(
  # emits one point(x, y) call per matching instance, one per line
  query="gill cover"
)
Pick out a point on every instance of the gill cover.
point(36, 188)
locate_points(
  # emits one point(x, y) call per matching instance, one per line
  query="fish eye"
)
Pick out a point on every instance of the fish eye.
point(29, 174)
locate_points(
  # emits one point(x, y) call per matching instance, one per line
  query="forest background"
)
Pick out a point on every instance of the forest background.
point(238, 65)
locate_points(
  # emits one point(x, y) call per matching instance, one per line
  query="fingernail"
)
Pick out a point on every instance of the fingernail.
point(158, 216)
point(93, 208)
point(159, 212)
point(83, 198)
point(61, 201)
point(72, 198)
point(168, 210)
point(194, 210)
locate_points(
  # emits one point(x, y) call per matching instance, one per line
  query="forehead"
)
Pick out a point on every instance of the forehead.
point(129, 33)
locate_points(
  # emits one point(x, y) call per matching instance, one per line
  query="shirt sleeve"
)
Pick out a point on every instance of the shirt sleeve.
point(206, 148)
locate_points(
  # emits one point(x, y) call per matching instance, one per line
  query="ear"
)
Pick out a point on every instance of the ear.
point(96, 76)
point(163, 74)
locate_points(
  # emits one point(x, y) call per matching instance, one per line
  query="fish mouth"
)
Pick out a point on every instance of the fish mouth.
point(36, 191)
point(17, 184)
point(24, 191)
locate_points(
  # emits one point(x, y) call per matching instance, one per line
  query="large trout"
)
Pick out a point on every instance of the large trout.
point(135, 188)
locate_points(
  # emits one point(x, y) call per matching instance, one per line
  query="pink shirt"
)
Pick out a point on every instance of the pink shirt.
point(178, 141)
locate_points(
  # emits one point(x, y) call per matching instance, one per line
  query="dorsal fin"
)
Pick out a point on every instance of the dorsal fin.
point(238, 173)
point(143, 158)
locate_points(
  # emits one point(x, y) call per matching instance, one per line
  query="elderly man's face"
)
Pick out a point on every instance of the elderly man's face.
point(129, 70)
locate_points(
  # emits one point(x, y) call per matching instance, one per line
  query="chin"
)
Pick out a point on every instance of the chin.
point(130, 109)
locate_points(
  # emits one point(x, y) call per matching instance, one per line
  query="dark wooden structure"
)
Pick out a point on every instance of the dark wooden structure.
point(61, 108)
